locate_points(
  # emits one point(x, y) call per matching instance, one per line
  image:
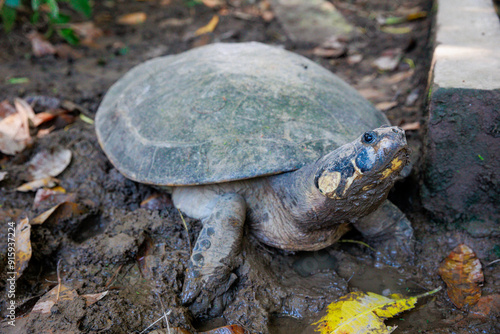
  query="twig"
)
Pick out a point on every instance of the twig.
point(58, 281)
point(492, 262)
point(112, 279)
point(165, 314)
point(187, 230)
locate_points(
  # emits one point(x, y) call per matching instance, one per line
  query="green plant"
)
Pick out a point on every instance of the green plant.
point(57, 20)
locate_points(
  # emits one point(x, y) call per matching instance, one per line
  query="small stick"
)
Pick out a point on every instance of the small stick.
point(187, 230)
point(58, 281)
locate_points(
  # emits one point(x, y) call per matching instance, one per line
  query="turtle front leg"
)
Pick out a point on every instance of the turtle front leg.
point(390, 230)
point(209, 273)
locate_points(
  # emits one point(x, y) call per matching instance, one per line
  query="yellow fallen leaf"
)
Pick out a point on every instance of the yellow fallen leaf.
point(23, 246)
point(209, 27)
point(396, 30)
point(66, 210)
point(360, 312)
point(132, 18)
point(48, 182)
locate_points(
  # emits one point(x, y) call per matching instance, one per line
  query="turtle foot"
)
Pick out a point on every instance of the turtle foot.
point(216, 253)
point(390, 232)
point(207, 294)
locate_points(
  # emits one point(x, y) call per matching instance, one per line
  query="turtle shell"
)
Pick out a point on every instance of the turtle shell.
point(226, 112)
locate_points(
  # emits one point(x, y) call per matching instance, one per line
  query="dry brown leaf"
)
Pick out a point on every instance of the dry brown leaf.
point(132, 18)
point(354, 59)
point(65, 51)
point(175, 22)
point(463, 274)
point(384, 106)
point(370, 93)
point(39, 45)
point(23, 246)
point(37, 184)
point(43, 117)
point(3, 175)
point(210, 27)
point(389, 60)
point(157, 201)
point(410, 126)
point(59, 292)
point(14, 129)
point(214, 3)
point(61, 211)
point(6, 109)
point(88, 32)
point(487, 306)
point(231, 329)
point(331, 48)
point(49, 163)
point(47, 198)
point(398, 77)
point(93, 298)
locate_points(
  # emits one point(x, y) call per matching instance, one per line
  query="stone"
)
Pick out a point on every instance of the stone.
point(461, 171)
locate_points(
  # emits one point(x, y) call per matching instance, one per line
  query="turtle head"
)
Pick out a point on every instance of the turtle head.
point(370, 163)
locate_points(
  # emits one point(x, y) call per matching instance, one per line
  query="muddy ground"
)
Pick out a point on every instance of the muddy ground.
point(139, 252)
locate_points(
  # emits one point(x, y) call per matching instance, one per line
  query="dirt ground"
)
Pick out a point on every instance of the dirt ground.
point(138, 251)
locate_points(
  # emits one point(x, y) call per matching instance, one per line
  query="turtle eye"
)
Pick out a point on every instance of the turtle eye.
point(369, 137)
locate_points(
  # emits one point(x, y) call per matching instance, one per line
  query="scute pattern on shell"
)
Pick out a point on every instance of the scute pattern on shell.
point(226, 112)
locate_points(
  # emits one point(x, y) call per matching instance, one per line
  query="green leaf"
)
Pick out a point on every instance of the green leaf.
point(35, 4)
point(13, 3)
point(82, 6)
point(69, 35)
point(8, 17)
point(17, 81)
point(53, 7)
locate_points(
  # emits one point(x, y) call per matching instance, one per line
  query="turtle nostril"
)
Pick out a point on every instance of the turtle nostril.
point(395, 130)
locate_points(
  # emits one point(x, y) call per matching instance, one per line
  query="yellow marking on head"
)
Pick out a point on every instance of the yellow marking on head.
point(328, 183)
point(357, 173)
point(396, 165)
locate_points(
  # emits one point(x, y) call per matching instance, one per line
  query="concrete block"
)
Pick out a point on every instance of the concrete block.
point(461, 171)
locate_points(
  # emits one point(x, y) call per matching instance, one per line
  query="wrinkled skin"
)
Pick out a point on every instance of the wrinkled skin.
point(308, 209)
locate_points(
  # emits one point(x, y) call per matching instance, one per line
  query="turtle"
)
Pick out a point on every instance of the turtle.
point(252, 137)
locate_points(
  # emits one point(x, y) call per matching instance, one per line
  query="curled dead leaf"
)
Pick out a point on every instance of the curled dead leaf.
point(384, 106)
point(14, 129)
point(132, 18)
point(463, 274)
point(23, 246)
point(210, 27)
point(49, 163)
point(88, 32)
point(59, 292)
point(39, 45)
point(410, 126)
point(48, 182)
point(61, 211)
point(94, 298)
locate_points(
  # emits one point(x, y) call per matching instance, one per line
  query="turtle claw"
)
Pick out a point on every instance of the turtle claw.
point(204, 293)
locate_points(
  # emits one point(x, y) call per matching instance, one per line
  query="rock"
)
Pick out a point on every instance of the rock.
point(310, 21)
point(462, 145)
